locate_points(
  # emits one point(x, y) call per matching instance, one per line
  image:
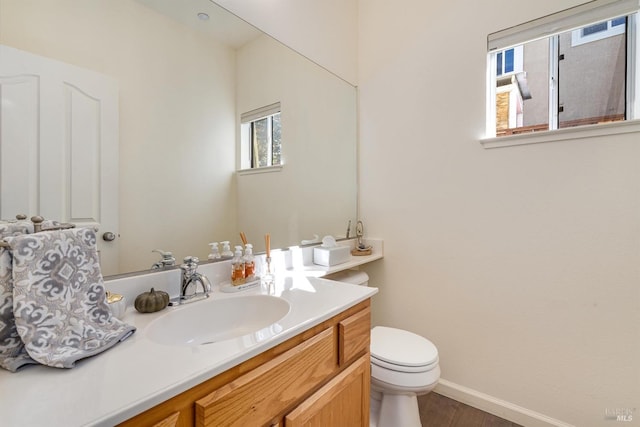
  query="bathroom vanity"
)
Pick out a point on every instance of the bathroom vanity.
point(312, 377)
point(309, 365)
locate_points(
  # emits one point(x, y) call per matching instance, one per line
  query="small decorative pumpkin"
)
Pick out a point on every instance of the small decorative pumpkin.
point(152, 301)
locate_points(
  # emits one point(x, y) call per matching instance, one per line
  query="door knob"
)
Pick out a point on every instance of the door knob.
point(109, 236)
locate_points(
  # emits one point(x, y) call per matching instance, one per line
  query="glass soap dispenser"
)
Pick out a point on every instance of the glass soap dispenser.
point(237, 268)
point(249, 262)
point(226, 250)
point(215, 253)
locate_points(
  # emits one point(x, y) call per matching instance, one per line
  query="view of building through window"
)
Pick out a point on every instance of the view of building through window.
point(574, 78)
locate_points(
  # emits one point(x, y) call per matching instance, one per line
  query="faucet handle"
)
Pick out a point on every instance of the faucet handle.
point(189, 260)
point(190, 264)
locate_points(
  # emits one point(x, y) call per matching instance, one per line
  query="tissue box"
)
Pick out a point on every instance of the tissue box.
point(331, 256)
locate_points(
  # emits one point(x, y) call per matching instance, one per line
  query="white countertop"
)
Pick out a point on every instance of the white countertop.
point(138, 373)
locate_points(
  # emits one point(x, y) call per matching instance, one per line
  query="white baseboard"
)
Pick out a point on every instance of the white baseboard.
point(497, 407)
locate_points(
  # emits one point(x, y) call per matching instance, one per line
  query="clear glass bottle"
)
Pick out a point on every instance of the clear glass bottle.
point(237, 268)
point(249, 262)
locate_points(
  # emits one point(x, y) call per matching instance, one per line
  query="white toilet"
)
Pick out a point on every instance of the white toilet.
point(403, 366)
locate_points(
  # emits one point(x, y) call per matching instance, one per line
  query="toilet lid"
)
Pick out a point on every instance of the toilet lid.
point(401, 347)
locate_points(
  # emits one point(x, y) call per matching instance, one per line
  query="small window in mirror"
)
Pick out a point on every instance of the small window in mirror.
point(261, 138)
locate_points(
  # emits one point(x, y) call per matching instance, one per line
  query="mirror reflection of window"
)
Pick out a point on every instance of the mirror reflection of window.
point(261, 138)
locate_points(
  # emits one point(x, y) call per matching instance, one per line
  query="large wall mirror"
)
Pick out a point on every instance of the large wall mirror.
point(183, 81)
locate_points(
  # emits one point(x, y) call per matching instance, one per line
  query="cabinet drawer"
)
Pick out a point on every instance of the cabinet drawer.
point(354, 334)
point(255, 397)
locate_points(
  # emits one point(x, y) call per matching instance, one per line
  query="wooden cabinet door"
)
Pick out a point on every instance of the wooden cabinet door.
point(344, 401)
point(354, 336)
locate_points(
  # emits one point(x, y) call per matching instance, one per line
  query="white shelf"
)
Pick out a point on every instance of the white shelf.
point(310, 269)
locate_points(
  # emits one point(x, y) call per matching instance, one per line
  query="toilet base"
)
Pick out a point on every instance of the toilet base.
point(374, 408)
point(393, 410)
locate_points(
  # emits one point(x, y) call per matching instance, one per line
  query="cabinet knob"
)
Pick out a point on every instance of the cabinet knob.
point(109, 236)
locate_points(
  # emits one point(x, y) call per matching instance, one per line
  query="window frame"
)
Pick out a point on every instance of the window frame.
point(546, 27)
point(246, 152)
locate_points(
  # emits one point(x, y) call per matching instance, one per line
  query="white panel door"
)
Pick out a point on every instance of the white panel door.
point(59, 145)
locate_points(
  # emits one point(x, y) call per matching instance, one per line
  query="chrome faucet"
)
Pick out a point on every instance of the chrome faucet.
point(190, 282)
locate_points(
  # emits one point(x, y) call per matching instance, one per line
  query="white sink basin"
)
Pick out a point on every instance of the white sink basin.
point(214, 320)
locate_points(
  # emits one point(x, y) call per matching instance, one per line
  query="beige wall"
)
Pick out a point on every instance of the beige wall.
point(522, 264)
point(177, 116)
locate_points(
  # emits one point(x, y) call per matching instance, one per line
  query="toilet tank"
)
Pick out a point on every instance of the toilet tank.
point(355, 277)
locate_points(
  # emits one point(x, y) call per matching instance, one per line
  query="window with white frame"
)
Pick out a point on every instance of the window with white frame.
point(599, 31)
point(509, 61)
point(573, 68)
point(261, 138)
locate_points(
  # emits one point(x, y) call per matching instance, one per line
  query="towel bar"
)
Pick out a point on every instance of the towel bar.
point(37, 226)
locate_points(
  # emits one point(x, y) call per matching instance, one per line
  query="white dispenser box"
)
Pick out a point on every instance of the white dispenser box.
point(329, 254)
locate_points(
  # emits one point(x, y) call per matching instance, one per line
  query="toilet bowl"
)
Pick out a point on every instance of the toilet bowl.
point(403, 366)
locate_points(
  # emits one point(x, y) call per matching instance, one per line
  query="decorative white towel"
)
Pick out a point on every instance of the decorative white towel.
point(59, 302)
point(12, 352)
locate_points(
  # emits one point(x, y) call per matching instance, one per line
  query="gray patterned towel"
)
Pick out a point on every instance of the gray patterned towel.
point(12, 352)
point(59, 301)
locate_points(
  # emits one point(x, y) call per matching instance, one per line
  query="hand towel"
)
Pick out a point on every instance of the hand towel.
point(13, 355)
point(59, 301)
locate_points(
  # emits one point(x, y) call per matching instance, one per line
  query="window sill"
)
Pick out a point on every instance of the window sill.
point(266, 169)
point(579, 132)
